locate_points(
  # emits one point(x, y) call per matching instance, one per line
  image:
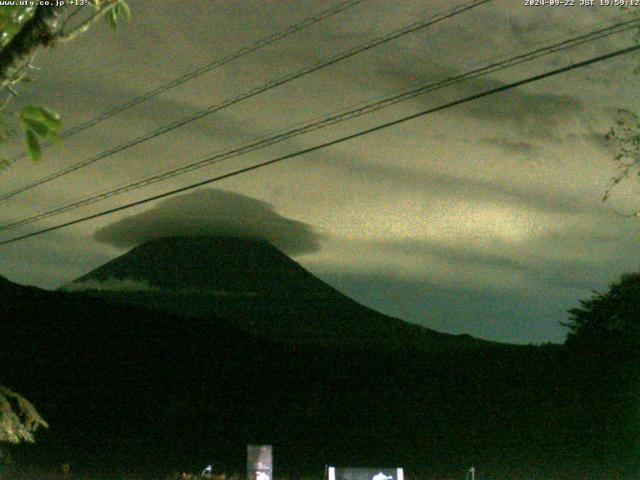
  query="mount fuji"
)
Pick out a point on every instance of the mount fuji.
point(256, 287)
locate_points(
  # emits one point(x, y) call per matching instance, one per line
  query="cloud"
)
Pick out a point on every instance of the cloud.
point(522, 108)
point(527, 29)
point(553, 261)
point(599, 140)
point(131, 285)
point(512, 147)
point(433, 184)
point(533, 114)
point(212, 213)
point(113, 284)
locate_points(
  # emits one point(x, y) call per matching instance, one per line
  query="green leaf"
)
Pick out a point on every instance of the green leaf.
point(120, 10)
point(96, 4)
point(37, 126)
point(30, 111)
point(53, 136)
point(111, 18)
point(123, 10)
point(33, 146)
point(41, 115)
point(52, 119)
point(37, 123)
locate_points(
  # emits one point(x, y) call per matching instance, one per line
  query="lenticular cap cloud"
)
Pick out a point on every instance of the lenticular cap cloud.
point(212, 212)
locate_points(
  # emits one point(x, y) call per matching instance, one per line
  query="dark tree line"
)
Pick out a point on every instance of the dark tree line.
point(609, 320)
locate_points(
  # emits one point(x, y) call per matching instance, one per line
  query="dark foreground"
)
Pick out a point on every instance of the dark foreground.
point(136, 393)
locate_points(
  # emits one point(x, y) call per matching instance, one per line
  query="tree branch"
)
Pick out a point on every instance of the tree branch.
point(86, 24)
point(17, 426)
point(36, 32)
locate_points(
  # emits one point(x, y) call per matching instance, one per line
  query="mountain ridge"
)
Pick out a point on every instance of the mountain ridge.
point(255, 285)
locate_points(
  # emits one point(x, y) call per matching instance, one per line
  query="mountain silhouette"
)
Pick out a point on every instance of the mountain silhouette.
point(258, 288)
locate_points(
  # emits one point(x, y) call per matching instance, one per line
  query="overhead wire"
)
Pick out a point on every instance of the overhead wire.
point(343, 139)
point(333, 119)
point(219, 62)
point(411, 28)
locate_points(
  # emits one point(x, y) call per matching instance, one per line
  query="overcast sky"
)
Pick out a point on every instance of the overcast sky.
point(485, 218)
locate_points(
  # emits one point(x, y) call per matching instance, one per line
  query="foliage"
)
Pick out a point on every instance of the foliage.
point(610, 319)
point(38, 122)
point(625, 136)
point(12, 18)
point(120, 10)
point(18, 417)
point(25, 29)
point(633, 12)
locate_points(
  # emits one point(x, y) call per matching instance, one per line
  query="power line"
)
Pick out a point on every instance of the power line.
point(305, 151)
point(271, 39)
point(252, 93)
point(333, 119)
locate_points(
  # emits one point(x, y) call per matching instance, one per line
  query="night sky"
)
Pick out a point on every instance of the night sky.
point(485, 218)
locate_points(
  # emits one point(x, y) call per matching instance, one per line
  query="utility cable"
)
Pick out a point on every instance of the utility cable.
point(346, 138)
point(249, 94)
point(290, 30)
point(328, 121)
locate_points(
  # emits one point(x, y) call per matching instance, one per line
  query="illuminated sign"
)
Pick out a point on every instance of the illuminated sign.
point(334, 473)
point(259, 462)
